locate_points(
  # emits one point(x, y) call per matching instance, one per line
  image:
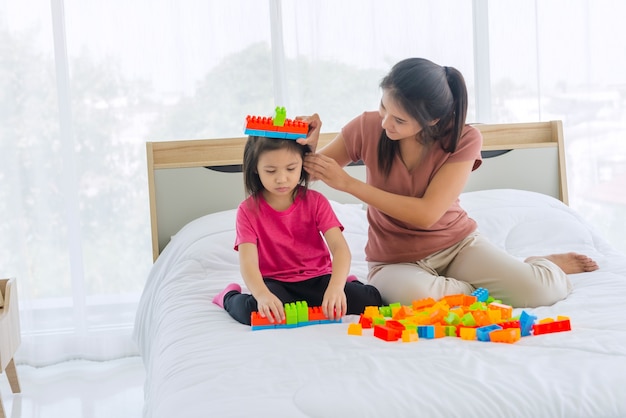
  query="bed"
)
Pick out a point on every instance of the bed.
point(199, 362)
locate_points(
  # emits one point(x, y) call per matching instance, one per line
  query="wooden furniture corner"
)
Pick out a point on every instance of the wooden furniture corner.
point(9, 334)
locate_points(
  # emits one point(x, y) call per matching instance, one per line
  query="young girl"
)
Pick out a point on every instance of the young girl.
point(283, 257)
point(419, 154)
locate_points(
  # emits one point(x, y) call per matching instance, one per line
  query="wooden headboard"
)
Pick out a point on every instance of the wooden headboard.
point(527, 156)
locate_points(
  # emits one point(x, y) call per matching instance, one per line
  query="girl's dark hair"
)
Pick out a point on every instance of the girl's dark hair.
point(427, 92)
point(257, 145)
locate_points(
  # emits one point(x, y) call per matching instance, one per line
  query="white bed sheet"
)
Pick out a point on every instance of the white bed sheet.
point(200, 362)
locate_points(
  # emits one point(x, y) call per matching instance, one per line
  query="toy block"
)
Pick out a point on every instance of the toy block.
point(436, 316)
point(386, 333)
point(454, 300)
point(402, 312)
point(422, 303)
point(481, 294)
point(365, 321)
point(371, 311)
point(395, 325)
point(291, 314)
point(439, 331)
point(526, 322)
point(385, 311)
point(409, 336)
point(379, 320)
point(467, 333)
point(508, 336)
point(507, 310)
point(302, 312)
point(280, 114)
point(257, 322)
point(450, 331)
point(481, 318)
point(477, 306)
point(277, 127)
point(316, 314)
point(509, 324)
point(452, 318)
point(469, 299)
point(426, 331)
point(551, 326)
point(468, 320)
point(482, 333)
point(355, 329)
point(494, 315)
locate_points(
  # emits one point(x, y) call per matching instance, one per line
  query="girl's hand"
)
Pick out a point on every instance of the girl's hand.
point(334, 304)
point(313, 136)
point(321, 167)
point(269, 306)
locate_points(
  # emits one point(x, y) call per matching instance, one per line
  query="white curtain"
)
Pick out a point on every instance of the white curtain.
point(84, 84)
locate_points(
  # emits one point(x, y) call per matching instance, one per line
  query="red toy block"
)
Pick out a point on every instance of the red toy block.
point(366, 322)
point(387, 333)
point(316, 314)
point(550, 327)
point(509, 324)
point(395, 325)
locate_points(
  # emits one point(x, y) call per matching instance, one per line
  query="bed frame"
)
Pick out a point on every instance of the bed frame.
point(526, 156)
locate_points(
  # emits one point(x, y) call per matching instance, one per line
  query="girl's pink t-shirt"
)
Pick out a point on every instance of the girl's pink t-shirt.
point(393, 241)
point(290, 243)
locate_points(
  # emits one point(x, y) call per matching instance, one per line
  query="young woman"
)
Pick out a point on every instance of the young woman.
point(419, 153)
point(282, 253)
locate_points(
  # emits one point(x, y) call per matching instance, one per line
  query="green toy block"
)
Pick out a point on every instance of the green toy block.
point(280, 114)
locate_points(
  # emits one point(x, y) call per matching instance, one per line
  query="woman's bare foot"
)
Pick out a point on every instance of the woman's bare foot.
point(571, 263)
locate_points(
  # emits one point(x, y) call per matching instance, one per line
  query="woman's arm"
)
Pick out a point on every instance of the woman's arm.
point(421, 212)
point(268, 304)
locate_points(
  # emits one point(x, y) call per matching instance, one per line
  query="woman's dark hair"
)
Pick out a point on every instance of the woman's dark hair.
point(427, 92)
point(255, 146)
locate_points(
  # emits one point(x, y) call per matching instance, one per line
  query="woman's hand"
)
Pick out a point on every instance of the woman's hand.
point(321, 167)
point(269, 306)
point(313, 136)
point(334, 304)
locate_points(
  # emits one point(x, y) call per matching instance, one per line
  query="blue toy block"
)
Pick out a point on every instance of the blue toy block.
point(526, 322)
point(481, 294)
point(426, 331)
point(482, 333)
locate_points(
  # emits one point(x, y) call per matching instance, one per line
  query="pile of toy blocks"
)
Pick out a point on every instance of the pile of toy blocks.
point(276, 127)
point(470, 317)
point(297, 314)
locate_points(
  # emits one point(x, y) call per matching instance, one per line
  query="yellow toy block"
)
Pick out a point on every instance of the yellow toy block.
point(409, 335)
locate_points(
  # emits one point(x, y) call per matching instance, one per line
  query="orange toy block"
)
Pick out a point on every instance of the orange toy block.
point(423, 303)
point(481, 318)
point(507, 335)
point(454, 300)
point(506, 310)
point(402, 313)
point(355, 329)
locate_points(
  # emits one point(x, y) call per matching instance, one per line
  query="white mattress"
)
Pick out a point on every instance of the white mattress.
point(200, 362)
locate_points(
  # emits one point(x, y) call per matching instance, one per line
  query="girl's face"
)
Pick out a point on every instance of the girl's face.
point(279, 171)
point(396, 122)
